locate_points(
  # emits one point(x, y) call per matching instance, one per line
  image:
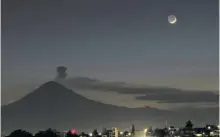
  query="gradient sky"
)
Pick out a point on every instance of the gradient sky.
point(113, 40)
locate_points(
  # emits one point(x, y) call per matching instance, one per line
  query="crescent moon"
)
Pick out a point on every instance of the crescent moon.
point(174, 21)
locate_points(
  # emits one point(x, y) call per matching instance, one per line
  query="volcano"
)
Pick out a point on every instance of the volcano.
point(54, 106)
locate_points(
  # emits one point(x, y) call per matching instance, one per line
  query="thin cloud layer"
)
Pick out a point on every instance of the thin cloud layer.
point(159, 94)
point(182, 97)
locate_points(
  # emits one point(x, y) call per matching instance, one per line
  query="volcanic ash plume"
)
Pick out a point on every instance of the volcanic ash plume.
point(61, 73)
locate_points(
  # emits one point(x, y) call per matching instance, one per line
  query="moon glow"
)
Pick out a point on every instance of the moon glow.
point(172, 19)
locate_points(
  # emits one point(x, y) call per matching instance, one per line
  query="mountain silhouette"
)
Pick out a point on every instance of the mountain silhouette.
point(54, 106)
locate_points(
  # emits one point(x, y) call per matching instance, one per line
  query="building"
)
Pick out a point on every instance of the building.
point(114, 132)
point(140, 133)
point(107, 133)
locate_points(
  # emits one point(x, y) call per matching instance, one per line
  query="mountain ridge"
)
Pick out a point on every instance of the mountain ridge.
point(53, 105)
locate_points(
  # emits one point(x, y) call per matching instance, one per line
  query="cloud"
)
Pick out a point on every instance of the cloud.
point(148, 93)
point(119, 87)
point(182, 97)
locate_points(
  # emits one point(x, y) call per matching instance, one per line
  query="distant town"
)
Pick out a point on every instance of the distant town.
point(188, 130)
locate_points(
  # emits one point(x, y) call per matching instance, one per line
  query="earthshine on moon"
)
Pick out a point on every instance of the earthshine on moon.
point(172, 19)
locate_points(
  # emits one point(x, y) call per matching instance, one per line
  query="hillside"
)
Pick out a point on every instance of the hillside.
point(53, 105)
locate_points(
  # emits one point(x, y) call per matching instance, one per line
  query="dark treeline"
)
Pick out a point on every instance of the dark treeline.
point(46, 133)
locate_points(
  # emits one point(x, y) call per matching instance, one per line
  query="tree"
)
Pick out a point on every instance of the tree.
point(95, 133)
point(47, 133)
point(132, 129)
point(160, 132)
point(104, 130)
point(70, 134)
point(20, 133)
point(39, 134)
point(189, 125)
point(83, 134)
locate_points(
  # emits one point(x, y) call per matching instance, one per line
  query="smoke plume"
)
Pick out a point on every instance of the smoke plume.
point(61, 73)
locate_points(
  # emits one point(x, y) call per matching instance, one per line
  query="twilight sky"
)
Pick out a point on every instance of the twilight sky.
point(129, 41)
